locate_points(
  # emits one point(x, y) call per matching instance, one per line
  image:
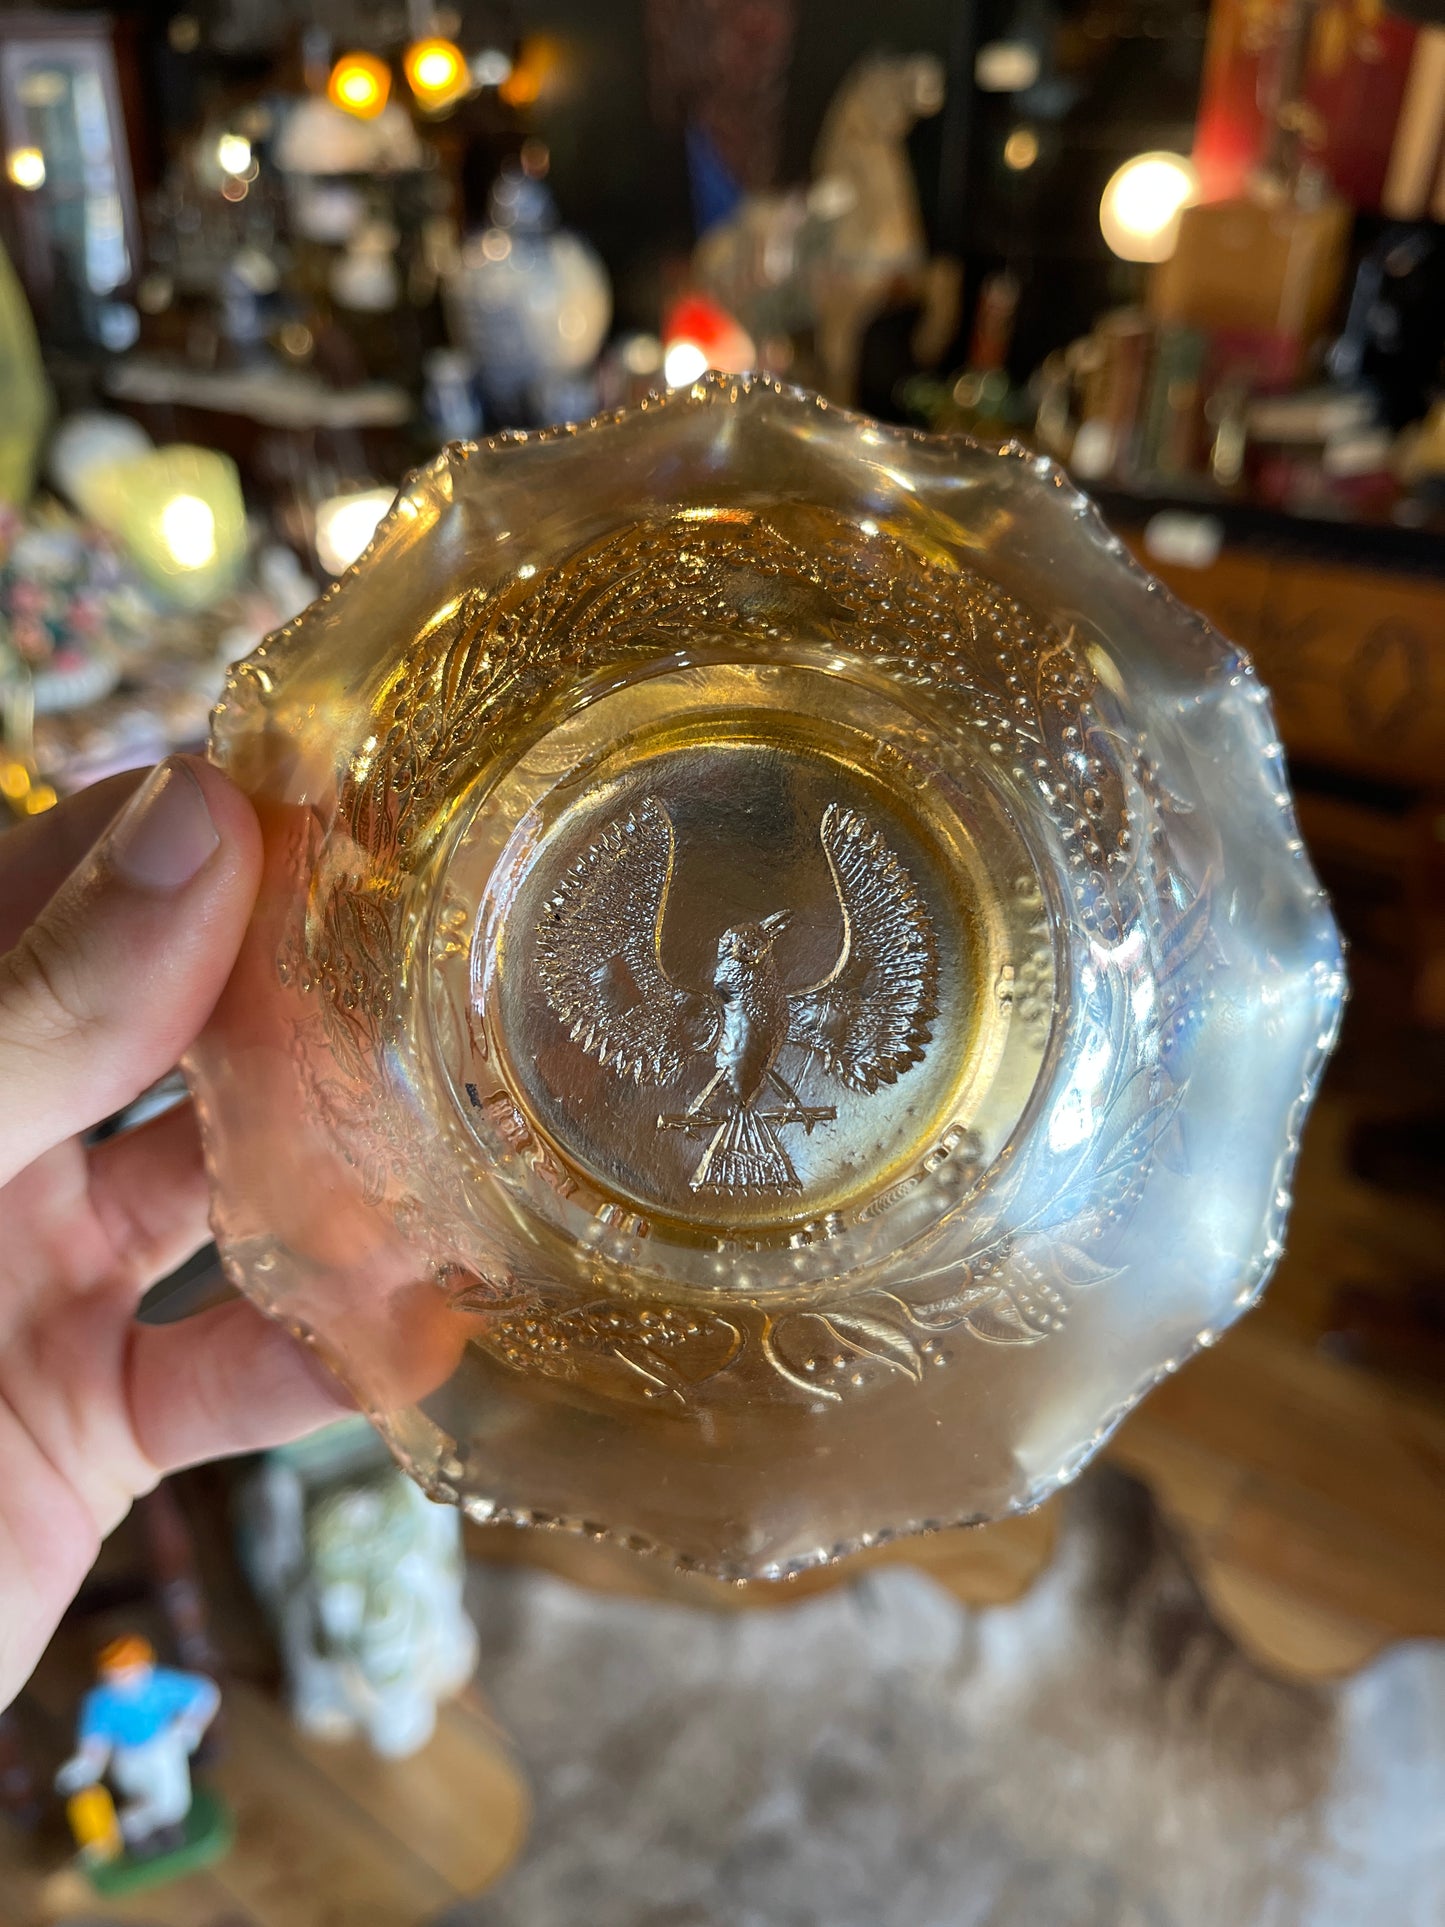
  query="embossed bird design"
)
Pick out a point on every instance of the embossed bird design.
point(866, 1020)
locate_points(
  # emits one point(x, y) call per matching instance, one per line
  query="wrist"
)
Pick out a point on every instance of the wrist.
point(48, 1543)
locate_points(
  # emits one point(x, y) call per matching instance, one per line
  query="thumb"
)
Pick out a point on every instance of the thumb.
point(118, 973)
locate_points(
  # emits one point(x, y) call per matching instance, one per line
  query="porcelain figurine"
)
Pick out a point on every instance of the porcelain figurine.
point(139, 1726)
point(877, 243)
point(363, 1578)
point(531, 303)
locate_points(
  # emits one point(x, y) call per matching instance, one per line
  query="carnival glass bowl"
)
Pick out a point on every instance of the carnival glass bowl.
point(785, 987)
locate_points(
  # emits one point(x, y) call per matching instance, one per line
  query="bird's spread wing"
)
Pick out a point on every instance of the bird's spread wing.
point(599, 952)
point(869, 1018)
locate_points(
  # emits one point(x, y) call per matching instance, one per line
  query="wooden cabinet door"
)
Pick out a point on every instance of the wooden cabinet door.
point(1357, 665)
point(1232, 592)
point(1355, 659)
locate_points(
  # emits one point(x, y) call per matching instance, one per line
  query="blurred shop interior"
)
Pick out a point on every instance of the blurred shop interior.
point(263, 257)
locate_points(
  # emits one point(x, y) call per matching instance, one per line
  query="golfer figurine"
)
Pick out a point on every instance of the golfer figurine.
point(139, 1726)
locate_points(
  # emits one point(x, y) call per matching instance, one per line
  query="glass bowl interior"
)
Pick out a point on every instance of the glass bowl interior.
point(785, 988)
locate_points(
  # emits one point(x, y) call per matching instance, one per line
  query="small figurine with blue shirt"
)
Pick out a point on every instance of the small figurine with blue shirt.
point(139, 1726)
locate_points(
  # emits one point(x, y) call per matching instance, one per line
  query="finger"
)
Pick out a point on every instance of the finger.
point(148, 1188)
point(117, 975)
point(227, 1381)
point(36, 856)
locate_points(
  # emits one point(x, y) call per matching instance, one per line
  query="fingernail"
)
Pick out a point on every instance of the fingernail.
point(165, 834)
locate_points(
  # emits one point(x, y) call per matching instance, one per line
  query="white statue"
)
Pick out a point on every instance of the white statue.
point(363, 1580)
point(876, 245)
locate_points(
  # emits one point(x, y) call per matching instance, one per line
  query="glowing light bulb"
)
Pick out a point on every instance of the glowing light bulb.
point(233, 153)
point(1006, 67)
point(435, 71)
point(1140, 209)
point(1021, 149)
point(345, 525)
point(26, 167)
point(188, 530)
point(683, 363)
point(359, 84)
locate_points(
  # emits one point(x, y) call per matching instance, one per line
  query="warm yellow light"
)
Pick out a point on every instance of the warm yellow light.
point(346, 524)
point(360, 84)
point(1021, 149)
point(188, 530)
point(1006, 67)
point(537, 59)
point(683, 363)
point(436, 71)
point(26, 167)
point(233, 153)
point(23, 792)
point(179, 514)
point(1140, 209)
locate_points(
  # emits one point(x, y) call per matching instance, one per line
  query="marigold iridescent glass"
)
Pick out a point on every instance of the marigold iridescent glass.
point(785, 988)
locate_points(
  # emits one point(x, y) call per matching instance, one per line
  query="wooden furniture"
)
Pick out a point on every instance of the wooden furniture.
point(1353, 650)
point(1355, 657)
point(1346, 625)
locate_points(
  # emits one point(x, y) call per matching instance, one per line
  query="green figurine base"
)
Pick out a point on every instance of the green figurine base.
point(206, 1836)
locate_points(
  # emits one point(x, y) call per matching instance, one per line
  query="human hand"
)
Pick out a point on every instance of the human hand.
point(110, 969)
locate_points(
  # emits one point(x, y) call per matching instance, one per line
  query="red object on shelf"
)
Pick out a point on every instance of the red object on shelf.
point(708, 325)
point(1355, 68)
